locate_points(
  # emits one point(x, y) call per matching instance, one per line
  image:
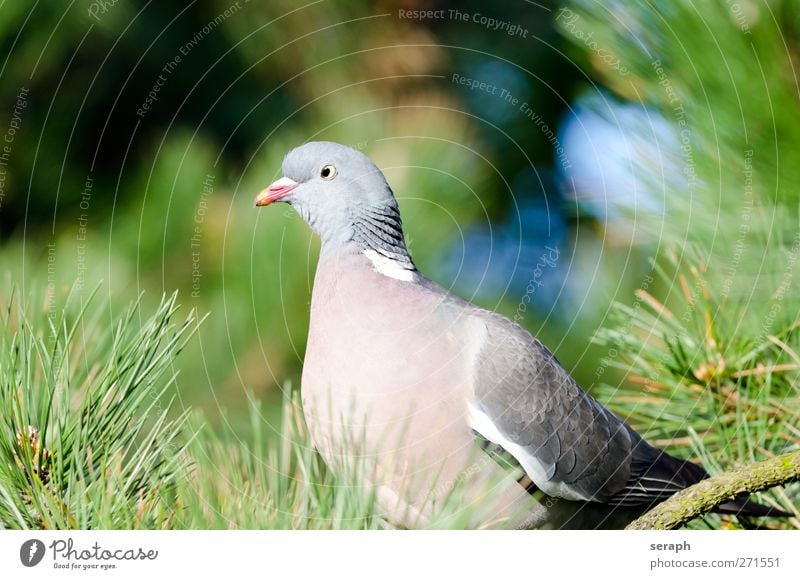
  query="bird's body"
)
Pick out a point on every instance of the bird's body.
point(407, 378)
point(414, 437)
point(413, 423)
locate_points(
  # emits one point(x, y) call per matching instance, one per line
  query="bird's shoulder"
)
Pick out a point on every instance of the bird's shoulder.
point(498, 330)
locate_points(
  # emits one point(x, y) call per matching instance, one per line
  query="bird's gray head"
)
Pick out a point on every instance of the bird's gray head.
point(343, 197)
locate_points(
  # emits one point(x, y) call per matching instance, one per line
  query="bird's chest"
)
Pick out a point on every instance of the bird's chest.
point(380, 364)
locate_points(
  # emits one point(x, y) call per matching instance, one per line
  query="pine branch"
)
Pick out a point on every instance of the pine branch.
point(700, 498)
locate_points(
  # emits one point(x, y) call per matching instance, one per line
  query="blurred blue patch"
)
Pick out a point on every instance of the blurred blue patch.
point(624, 157)
point(524, 255)
point(502, 76)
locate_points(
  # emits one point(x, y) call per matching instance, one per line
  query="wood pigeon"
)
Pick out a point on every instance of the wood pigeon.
point(433, 393)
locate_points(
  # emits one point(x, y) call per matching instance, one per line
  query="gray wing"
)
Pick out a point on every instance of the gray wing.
point(567, 442)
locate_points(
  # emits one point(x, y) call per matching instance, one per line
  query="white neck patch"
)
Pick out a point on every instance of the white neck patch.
point(389, 267)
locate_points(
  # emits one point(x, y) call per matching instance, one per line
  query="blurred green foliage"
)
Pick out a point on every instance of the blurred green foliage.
point(148, 129)
point(141, 131)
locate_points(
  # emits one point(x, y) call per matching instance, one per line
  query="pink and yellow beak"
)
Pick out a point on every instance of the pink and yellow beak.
point(275, 192)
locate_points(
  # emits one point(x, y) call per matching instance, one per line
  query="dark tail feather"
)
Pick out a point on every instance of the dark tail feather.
point(691, 473)
point(747, 508)
point(659, 473)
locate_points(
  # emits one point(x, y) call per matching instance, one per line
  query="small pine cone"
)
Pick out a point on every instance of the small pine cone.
point(40, 455)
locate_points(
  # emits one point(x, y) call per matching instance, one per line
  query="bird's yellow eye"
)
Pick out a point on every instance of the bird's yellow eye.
point(328, 172)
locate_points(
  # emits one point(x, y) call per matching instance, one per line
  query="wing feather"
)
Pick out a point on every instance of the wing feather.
point(534, 403)
point(569, 444)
